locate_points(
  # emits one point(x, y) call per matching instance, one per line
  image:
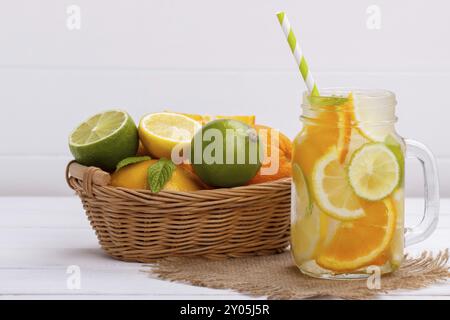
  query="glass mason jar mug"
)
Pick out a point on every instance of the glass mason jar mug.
point(348, 186)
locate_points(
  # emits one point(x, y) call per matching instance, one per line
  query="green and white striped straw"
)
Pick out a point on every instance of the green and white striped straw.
point(298, 54)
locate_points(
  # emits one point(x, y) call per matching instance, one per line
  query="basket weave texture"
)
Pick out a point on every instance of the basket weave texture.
point(141, 226)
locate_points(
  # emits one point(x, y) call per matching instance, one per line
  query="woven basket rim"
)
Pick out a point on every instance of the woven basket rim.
point(209, 191)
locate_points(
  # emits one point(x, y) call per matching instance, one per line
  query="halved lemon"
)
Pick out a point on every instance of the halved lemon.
point(360, 242)
point(374, 171)
point(161, 132)
point(332, 190)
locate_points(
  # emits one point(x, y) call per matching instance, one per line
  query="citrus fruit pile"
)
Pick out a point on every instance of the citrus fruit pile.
point(180, 152)
point(346, 179)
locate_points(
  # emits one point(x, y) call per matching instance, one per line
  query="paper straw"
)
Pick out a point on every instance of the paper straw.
point(298, 54)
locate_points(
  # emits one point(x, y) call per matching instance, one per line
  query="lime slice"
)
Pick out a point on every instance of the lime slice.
point(395, 143)
point(104, 139)
point(331, 188)
point(374, 171)
point(302, 197)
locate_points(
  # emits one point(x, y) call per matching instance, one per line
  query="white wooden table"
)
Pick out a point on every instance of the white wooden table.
point(40, 238)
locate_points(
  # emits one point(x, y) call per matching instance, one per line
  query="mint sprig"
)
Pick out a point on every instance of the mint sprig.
point(319, 101)
point(131, 160)
point(159, 173)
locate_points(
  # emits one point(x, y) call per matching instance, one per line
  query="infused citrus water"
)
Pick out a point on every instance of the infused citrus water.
point(348, 194)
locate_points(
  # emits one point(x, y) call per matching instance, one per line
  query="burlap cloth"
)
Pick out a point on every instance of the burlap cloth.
point(276, 277)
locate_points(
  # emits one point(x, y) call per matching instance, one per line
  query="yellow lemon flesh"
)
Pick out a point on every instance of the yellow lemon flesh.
point(161, 132)
point(332, 190)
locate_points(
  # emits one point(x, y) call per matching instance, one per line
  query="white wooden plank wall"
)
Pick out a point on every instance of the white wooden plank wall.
point(208, 57)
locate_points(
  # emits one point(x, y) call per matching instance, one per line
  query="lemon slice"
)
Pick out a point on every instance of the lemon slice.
point(398, 240)
point(332, 190)
point(305, 236)
point(374, 171)
point(357, 140)
point(161, 132)
point(328, 228)
point(302, 199)
point(305, 221)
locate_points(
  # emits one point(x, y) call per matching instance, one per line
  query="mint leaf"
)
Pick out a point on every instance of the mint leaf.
point(130, 160)
point(159, 173)
point(318, 101)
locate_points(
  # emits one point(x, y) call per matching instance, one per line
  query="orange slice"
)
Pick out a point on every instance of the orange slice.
point(250, 120)
point(360, 242)
point(332, 126)
point(345, 119)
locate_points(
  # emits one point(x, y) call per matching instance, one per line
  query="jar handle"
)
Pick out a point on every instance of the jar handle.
point(430, 217)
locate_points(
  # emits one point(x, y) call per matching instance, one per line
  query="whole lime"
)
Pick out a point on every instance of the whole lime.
point(104, 139)
point(225, 153)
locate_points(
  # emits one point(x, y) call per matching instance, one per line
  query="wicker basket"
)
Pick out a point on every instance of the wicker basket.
point(141, 226)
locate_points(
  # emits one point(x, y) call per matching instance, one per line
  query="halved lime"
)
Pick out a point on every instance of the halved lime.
point(104, 139)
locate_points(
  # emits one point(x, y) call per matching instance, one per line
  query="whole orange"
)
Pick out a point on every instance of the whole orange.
point(284, 152)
